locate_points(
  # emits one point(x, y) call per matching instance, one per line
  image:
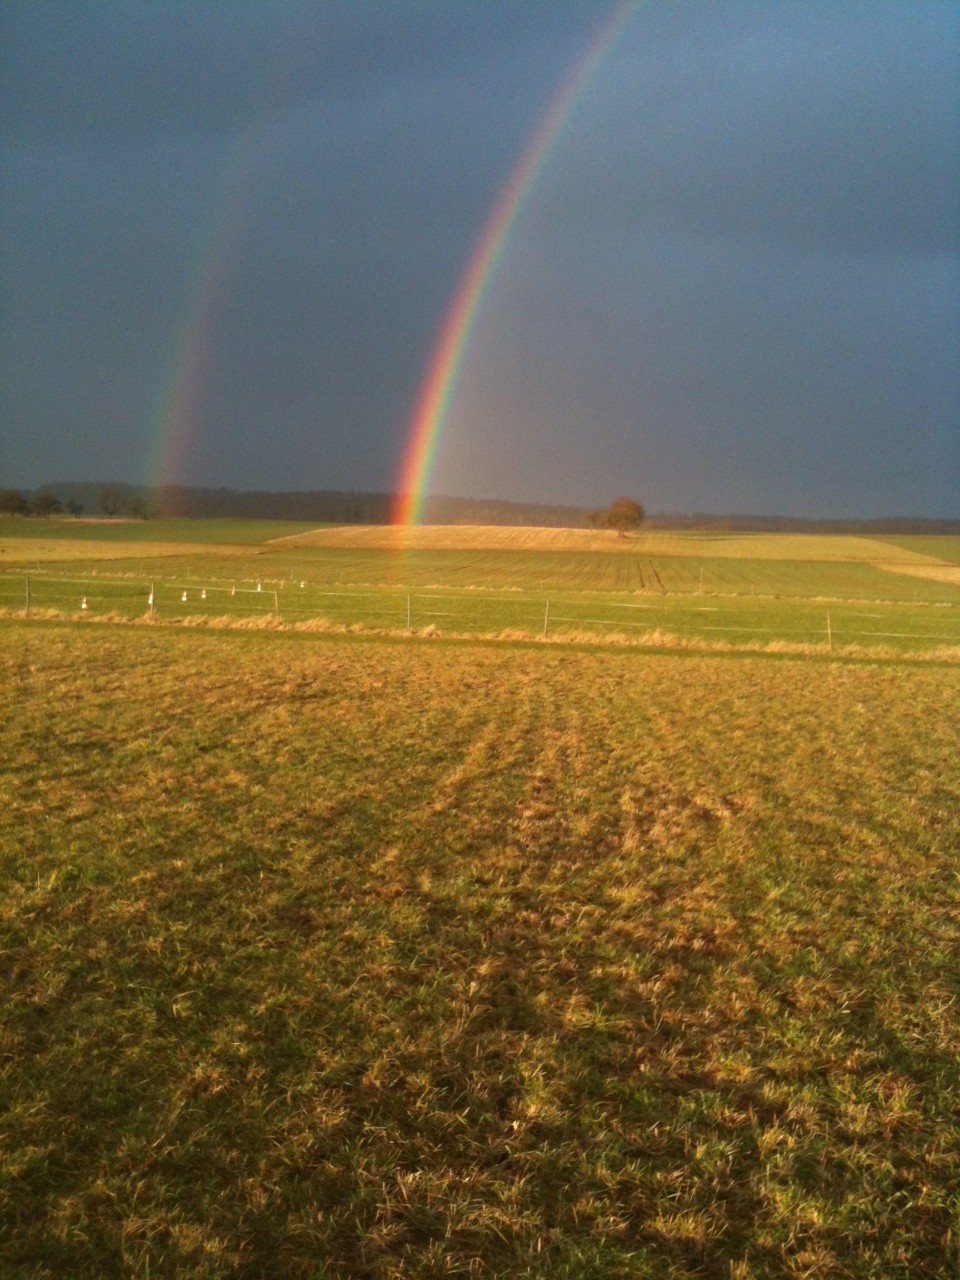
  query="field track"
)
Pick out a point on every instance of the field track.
point(935, 572)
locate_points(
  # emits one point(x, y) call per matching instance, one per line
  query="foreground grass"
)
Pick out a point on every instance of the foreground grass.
point(349, 958)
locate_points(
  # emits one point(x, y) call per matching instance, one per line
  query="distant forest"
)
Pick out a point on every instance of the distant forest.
point(349, 507)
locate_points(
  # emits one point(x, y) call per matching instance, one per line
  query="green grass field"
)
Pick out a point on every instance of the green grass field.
point(900, 595)
point(361, 956)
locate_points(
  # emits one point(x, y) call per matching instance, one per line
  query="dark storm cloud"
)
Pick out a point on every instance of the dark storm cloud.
point(744, 278)
point(341, 157)
point(823, 126)
point(123, 68)
point(735, 286)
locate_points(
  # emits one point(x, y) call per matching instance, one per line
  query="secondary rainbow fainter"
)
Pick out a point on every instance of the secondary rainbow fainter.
point(176, 425)
point(182, 398)
point(443, 371)
point(181, 402)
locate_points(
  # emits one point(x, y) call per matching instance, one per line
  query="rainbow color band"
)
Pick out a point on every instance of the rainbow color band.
point(446, 361)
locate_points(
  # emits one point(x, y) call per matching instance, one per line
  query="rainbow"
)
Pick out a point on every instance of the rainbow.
point(180, 404)
point(181, 400)
point(443, 370)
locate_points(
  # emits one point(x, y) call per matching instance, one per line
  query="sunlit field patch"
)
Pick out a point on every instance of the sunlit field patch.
point(346, 956)
point(41, 551)
point(860, 592)
point(653, 542)
point(936, 572)
point(226, 532)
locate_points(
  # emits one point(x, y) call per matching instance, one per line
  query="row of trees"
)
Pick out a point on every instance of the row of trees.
point(623, 515)
point(327, 506)
point(45, 503)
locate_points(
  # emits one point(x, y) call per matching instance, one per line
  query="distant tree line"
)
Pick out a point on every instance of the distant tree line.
point(324, 506)
point(445, 510)
point(44, 503)
point(739, 523)
point(330, 506)
point(47, 502)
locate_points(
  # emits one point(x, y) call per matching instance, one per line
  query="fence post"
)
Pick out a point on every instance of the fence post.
point(276, 603)
point(829, 633)
point(27, 581)
point(408, 613)
point(546, 619)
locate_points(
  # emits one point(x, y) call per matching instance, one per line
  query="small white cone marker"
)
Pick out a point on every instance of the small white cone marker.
point(83, 603)
point(184, 597)
point(302, 585)
point(233, 591)
point(203, 594)
point(259, 587)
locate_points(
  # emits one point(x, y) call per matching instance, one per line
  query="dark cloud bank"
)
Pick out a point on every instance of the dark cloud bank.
point(736, 286)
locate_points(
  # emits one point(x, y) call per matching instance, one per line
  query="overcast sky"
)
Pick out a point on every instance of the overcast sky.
point(735, 286)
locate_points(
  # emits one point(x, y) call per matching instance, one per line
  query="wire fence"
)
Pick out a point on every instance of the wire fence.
point(481, 611)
